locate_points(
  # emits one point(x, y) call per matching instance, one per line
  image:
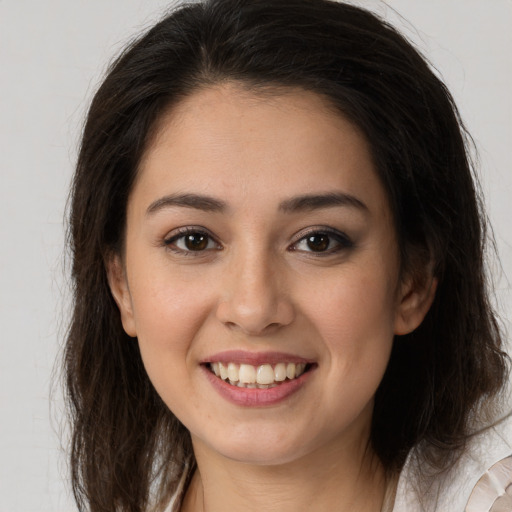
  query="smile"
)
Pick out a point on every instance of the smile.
point(264, 376)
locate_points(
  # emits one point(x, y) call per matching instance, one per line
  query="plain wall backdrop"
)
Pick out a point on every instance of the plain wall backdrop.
point(52, 55)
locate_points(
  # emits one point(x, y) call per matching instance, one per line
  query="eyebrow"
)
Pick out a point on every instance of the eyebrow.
point(196, 201)
point(318, 201)
point(306, 202)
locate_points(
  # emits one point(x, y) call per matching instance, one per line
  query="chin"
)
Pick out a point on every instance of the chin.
point(259, 449)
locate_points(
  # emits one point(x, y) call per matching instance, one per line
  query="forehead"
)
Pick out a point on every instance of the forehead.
point(244, 144)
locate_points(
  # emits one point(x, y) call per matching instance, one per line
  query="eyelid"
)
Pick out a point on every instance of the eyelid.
point(182, 231)
point(342, 239)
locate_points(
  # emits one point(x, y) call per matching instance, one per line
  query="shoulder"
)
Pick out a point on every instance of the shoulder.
point(480, 476)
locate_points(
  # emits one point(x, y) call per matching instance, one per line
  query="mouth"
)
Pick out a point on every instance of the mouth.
point(263, 376)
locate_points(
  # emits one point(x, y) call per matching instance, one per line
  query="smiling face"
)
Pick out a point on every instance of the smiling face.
point(259, 241)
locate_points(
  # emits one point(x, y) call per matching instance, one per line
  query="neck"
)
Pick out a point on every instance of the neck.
point(338, 479)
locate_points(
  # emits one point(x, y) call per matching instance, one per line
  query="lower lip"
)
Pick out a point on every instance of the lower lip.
point(255, 397)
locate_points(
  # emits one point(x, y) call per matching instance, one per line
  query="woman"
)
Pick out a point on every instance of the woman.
point(280, 299)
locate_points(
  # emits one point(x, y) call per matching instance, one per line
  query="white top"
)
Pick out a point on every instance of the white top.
point(480, 481)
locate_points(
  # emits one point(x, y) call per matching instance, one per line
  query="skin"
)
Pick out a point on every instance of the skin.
point(258, 286)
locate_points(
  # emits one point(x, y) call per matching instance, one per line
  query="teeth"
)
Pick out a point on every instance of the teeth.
point(233, 372)
point(280, 372)
point(247, 374)
point(265, 374)
point(223, 370)
point(262, 377)
point(290, 370)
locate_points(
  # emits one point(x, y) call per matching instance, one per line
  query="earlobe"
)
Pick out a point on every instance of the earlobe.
point(119, 287)
point(414, 302)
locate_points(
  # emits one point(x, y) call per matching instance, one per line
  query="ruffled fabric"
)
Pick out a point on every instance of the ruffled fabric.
point(493, 492)
point(480, 481)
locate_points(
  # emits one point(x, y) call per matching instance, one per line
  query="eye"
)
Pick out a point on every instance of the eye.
point(188, 240)
point(324, 241)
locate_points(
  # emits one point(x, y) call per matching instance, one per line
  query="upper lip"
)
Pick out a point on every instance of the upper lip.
point(254, 358)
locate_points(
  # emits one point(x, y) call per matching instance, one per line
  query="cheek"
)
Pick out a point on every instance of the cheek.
point(168, 314)
point(352, 306)
point(355, 320)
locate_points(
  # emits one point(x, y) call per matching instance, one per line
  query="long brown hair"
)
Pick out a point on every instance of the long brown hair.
point(128, 450)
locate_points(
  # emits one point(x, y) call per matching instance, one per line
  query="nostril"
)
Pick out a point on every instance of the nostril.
point(255, 310)
point(253, 330)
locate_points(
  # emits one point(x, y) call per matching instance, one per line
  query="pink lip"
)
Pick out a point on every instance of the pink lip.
point(254, 397)
point(254, 358)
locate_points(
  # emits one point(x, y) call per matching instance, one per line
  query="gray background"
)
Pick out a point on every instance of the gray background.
point(52, 55)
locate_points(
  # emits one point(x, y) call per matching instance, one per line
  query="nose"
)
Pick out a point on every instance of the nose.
point(255, 299)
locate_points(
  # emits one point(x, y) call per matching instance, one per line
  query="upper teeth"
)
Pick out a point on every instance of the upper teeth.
point(263, 375)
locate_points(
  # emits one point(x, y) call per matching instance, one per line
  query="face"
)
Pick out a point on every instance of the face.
point(261, 274)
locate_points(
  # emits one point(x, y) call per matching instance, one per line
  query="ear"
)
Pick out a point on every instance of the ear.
point(414, 301)
point(118, 283)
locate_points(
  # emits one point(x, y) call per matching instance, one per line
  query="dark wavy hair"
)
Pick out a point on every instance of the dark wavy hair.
point(128, 449)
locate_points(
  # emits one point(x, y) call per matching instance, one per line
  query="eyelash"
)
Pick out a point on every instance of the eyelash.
point(341, 241)
point(181, 233)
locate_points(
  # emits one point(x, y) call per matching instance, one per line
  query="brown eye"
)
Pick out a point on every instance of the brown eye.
point(196, 241)
point(319, 242)
point(190, 241)
point(323, 242)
